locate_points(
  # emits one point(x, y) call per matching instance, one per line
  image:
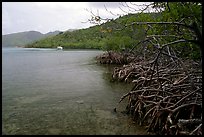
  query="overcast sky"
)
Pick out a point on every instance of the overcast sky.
point(51, 16)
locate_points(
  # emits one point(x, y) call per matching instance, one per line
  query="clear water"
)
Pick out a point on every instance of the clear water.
point(45, 91)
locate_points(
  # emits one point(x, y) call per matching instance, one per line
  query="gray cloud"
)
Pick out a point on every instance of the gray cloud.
point(43, 17)
point(51, 16)
point(107, 4)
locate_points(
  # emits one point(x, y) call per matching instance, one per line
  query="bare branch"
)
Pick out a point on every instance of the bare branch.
point(163, 36)
point(195, 129)
point(111, 12)
point(175, 42)
point(162, 23)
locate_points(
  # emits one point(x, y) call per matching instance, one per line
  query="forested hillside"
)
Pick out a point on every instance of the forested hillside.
point(106, 36)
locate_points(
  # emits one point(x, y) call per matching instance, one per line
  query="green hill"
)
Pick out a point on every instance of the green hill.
point(104, 36)
point(23, 38)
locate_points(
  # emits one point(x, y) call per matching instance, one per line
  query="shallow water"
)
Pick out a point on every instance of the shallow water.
point(45, 91)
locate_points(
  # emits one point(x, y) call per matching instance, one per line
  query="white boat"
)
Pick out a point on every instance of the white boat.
point(60, 48)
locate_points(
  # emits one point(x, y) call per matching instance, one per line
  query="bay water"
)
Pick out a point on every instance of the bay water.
point(61, 92)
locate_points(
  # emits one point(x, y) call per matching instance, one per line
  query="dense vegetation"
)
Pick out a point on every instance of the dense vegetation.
point(167, 92)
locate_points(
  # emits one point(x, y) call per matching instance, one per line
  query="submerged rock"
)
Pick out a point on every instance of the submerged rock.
point(80, 101)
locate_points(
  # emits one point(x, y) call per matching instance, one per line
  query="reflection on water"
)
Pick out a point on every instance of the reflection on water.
point(61, 92)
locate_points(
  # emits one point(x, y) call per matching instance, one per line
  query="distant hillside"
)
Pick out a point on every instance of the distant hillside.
point(23, 38)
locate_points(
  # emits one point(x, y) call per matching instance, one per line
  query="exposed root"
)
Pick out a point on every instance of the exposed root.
point(111, 57)
point(163, 97)
point(167, 95)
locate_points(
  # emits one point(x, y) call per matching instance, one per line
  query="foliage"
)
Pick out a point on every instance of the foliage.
point(189, 14)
